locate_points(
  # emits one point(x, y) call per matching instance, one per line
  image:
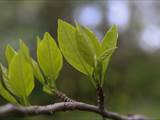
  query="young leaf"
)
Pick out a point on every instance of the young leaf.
point(109, 42)
point(6, 95)
point(21, 80)
point(4, 75)
point(36, 70)
point(3, 92)
point(93, 40)
point(85, 49)
point(24, 51)
point(106, 54)
point(68, 46)
point(110, 38)
point(9, 53)
point(49, 58)
point(88, 44)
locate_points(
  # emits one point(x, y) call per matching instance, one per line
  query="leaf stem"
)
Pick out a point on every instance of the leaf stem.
point(24, 101)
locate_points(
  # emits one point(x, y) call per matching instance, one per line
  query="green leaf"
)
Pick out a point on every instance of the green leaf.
point(109, 42)
point(106, 54)
point(9, 53)
point(49, 58)
point(36, 70)
point(68, 46)
point(110, 38)
point(93, 40)
point(85, 49)
point(3, 92)
point(24, 50)
point(100, 65)
point(88, 44)
point(21, 80)
point(4, 75)
point(6, 95)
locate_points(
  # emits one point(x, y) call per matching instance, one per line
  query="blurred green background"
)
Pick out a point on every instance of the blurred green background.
point(132, 83)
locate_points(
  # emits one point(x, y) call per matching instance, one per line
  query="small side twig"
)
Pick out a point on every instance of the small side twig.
point(62, 96)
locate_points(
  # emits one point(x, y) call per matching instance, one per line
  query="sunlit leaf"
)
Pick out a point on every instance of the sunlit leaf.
point(3, 92)
point(6, 95)
point(85, 49)
point(36, 70)
point(9, 53)
point(21, 80)
point(106, 54)
point(4, 75)
point(49, 58)
point(24, 50)
point(109, 41)
point(110, 38)
point(68, 46)
point(93, 40)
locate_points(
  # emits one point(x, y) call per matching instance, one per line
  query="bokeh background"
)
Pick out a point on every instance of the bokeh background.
point(132, 84)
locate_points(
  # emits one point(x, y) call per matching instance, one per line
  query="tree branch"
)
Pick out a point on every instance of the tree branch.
point(21, 111)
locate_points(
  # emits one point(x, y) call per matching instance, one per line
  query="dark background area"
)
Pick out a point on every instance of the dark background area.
point(132, 83)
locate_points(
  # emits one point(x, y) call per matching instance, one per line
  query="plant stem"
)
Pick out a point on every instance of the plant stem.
point(25, 101)
point(100, 99)
point(62, 96)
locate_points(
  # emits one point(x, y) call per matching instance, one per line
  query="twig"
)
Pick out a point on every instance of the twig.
point(100, 99)
point(21, 111)
point(62, 96)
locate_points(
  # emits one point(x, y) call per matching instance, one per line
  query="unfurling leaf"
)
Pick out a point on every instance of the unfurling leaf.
point(106, 54)
point(109, 42)
point(49, 58)
point(110, 38)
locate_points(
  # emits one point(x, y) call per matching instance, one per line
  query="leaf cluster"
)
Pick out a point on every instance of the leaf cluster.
point(79, 46)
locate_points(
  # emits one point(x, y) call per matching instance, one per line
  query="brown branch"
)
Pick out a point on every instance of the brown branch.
point(100, 99)
point(21, 111)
